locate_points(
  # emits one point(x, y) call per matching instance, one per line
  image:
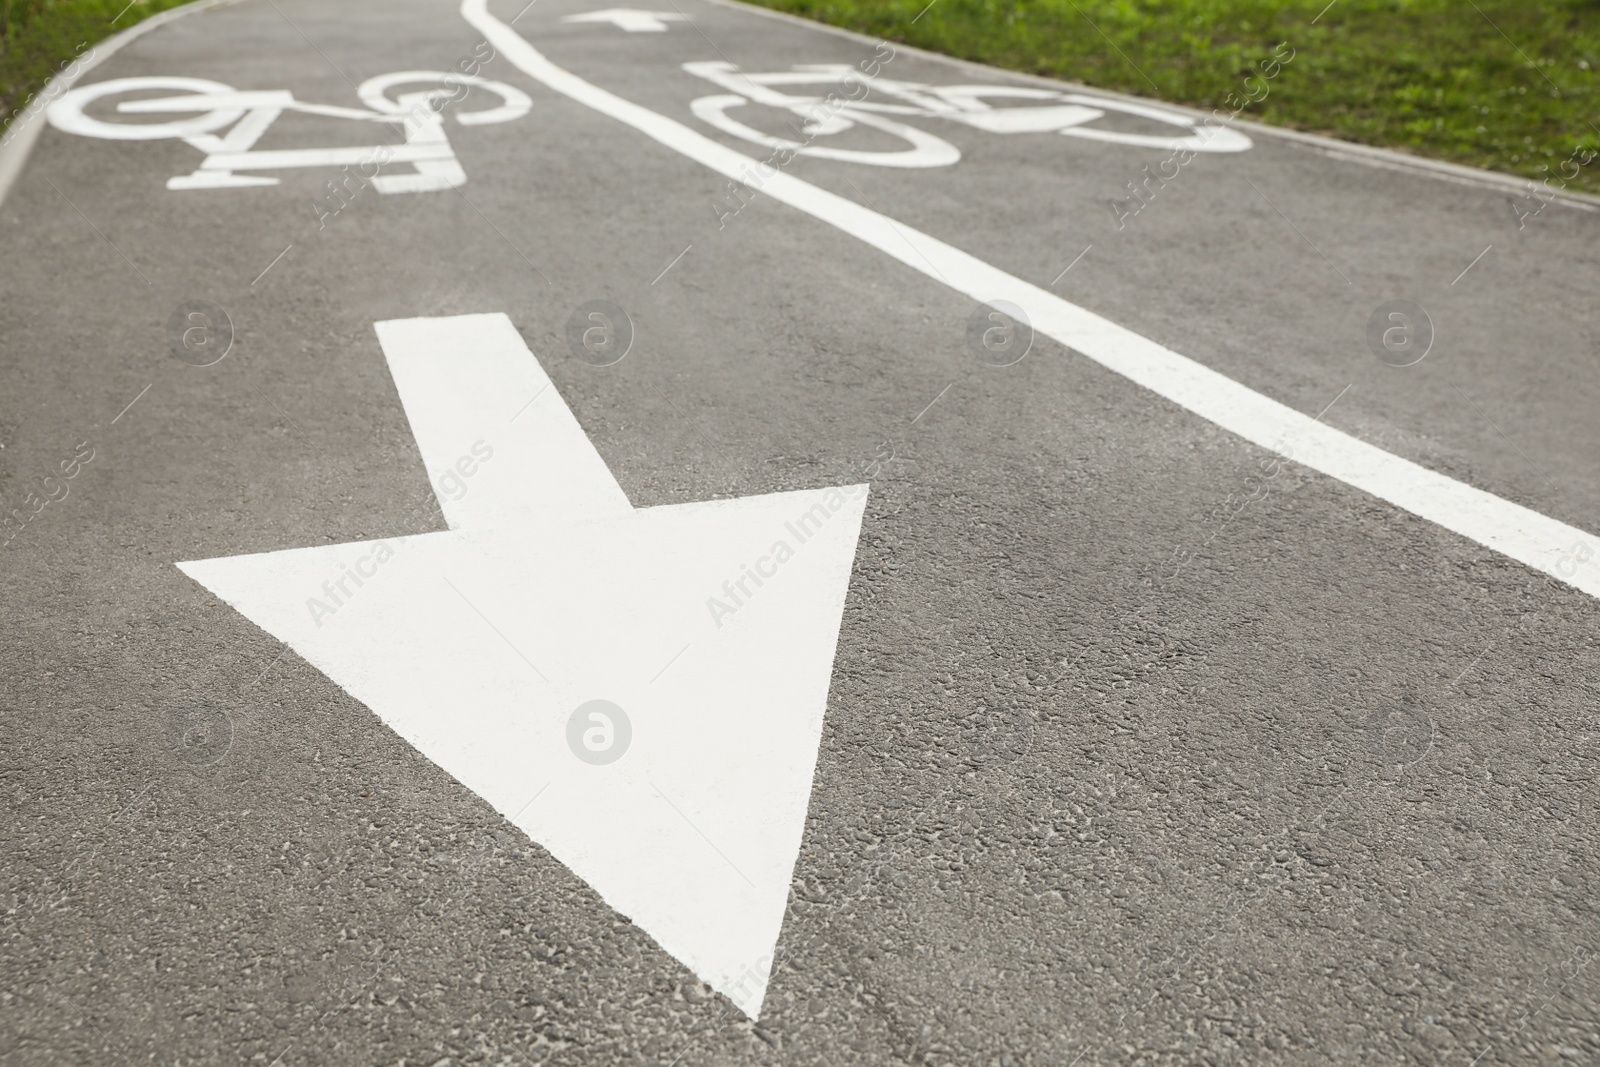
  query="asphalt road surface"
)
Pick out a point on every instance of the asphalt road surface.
point(1145, 741)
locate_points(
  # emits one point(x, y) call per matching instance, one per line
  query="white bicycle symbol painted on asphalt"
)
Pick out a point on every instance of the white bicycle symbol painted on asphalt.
point(1021, 110)
point(209, 107)
point(203, 110)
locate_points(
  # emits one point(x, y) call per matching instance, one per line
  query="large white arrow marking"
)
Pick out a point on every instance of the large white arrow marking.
point(711, 625)
point(631, 19)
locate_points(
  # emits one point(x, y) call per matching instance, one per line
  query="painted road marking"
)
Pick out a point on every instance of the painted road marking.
point(205, 108)
point(631, 19)
point(879, 103)
point(1511, 529)
point(551, 595)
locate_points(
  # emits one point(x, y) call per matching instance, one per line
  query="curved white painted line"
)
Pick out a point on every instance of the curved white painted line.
point(1511, 529)
point(24, 129)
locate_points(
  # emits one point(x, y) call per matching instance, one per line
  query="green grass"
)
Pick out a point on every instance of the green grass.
point(40, 37)
point(1506, 84)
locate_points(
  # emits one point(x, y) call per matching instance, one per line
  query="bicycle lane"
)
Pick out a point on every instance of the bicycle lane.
point(1519, 339)
point(1378, 615)
point(795, 350)
point(1266, 265)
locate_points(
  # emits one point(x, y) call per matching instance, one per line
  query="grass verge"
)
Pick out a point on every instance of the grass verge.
point(40, 38)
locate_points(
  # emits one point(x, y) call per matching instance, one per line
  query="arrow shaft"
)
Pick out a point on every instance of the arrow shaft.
point(501, 447)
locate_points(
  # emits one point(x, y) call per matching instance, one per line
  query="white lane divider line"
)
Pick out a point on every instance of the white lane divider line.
point(903, 237)
point(1505, 527)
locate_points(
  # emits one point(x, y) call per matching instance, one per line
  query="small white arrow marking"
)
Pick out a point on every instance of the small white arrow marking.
point(712, 625)
point(631, 19)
